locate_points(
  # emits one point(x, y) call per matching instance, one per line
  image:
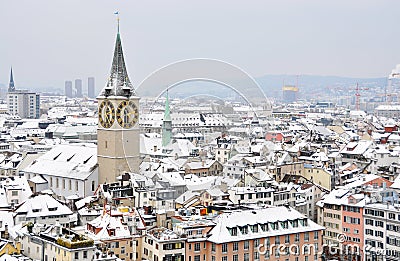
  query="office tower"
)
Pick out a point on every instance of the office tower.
point(68, 89)
point(78, 88)
point(91, 87)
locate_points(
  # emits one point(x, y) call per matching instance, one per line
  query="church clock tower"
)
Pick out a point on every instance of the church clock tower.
point(118, 137)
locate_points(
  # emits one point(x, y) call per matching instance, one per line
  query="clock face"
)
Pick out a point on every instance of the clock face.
point(127, 114)
point(106, 114)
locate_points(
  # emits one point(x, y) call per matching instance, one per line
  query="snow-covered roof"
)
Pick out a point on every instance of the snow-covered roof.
point(220, 233)
point(43, 206)
point(75, 161)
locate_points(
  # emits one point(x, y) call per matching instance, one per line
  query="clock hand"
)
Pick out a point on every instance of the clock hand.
point(132, 112)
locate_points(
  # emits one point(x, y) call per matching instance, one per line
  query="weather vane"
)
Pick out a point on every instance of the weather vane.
point(117, 14)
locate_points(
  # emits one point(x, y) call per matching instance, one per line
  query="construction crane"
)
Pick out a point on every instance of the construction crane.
point(358, 89)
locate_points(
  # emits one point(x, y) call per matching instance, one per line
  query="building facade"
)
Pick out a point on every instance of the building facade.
point(91, 88)
point(78, 88)
point(68, 89)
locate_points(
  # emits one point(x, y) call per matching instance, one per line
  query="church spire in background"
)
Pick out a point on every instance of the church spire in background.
point(11, 85)
point(167, 124)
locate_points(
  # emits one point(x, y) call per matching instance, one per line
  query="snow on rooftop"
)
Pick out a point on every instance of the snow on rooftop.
point(221, 234)
point(76, 161)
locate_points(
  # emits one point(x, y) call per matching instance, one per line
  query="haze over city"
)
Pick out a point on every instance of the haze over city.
point(271, 130)
point(48, 42)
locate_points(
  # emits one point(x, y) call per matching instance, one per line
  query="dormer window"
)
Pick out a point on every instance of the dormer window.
point(244, 230)
point(274, 225)
point(264, 227)
point(284, 224)
point(254, 228)
point(233, 231)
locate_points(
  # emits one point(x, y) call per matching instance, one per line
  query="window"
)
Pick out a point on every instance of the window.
point(306, 236)
point(369, 222)
point(246, 244)
point(224, 258)
point(93, 185)
point(85, 254)
point(246, 257)
point(254, 228)
point(76, 185)
point(235, 246)
point(244, 230)
point(14, 193)
point(233, 231)
point(315, 235)
point(235, 257)
point(197, 258)
point(197, 247)
point(266, 255)
point(213, 247)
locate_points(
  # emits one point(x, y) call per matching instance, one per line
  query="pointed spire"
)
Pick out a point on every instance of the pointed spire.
point(167, 116)
point(167, 124)
point(11, 86)
point(118, 83)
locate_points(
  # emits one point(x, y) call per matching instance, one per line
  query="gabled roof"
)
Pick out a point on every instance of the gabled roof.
point(43, 206)
point(221, 234)
point(75, 161)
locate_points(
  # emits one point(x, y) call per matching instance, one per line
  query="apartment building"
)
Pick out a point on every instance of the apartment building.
point(23, 103)
point(118, 230)
point(279, 233)
point(162, 244)
point(382, 231)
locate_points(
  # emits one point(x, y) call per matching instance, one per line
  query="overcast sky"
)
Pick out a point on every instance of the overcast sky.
point(48, 42)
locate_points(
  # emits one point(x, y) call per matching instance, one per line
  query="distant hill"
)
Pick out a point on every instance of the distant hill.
point(271, 85)
point(307, 82)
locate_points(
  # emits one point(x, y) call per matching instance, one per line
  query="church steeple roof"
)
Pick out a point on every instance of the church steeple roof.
point(167, 124)
point(118, 83)
point(167, 114)
point(11, 86)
